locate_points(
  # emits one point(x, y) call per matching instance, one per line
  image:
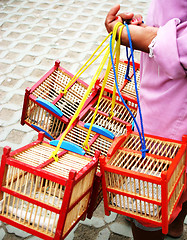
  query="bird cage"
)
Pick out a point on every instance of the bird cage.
point(147, 189)
point(46, 109)
point(126, 87)
point(117, 124)
point(41, 196)
point(97, 141)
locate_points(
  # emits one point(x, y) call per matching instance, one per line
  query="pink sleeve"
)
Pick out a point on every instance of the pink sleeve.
point(170, 49)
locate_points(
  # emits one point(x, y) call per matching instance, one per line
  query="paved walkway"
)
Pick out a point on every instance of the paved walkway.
point(33, 35)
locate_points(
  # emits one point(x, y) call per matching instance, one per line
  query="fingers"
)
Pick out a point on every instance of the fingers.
point(111, 18)
point(126, 16)
point(137, 19)
point(112, 13)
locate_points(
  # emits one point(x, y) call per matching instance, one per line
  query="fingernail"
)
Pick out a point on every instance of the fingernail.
point(117, 18)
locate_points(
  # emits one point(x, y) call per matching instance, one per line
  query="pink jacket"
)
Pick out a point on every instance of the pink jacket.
point(163, 89)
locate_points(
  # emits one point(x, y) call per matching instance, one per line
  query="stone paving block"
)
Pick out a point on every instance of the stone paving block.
point(13, 56)
point(6, 115)
point(185, 221)
point(34, 238)
point(122, 229)
point(16, 231)
point(9, 82)
point(111, 218)
point(2, 233)
point(94, 221)
point(103, 234)
point(72, 235)
point(15, 136)
point(5, 68)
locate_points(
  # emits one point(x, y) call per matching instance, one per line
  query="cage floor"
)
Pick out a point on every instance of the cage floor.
point(49, 90)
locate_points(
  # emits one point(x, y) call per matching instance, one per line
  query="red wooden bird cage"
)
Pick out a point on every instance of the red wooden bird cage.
point(41, 196)
point(46, 109)
point(126, 87)
point(145, 189)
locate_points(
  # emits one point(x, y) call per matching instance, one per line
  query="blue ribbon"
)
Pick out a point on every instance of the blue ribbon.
point(141, 135)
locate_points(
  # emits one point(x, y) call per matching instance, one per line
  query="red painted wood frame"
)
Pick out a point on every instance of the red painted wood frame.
point(69, 183)
point(162, 181)
point(29, 97)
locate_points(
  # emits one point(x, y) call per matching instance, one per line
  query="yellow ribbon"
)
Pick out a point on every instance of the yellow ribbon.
point(94, 79)
point(117, 49)
point(111, 114)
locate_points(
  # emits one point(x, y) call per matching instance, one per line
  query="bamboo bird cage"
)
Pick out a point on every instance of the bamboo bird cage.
point(41, 196)
point(46, 109)
point(77, 135)
point(117, 125)
point(145, 189)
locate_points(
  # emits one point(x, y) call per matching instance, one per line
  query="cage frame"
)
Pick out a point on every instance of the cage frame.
point(163, 181)
point(30, 97)
point(74, 178)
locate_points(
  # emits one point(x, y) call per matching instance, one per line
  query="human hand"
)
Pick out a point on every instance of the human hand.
point(141, 34)
point(112, 18)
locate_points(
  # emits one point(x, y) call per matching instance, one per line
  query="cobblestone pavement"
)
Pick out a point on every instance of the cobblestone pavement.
point(35, 33)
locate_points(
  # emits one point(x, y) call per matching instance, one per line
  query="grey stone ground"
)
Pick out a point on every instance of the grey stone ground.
point(34, 34)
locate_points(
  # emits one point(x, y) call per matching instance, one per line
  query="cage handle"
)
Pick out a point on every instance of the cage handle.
point(94, 79)
point(104, 81)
